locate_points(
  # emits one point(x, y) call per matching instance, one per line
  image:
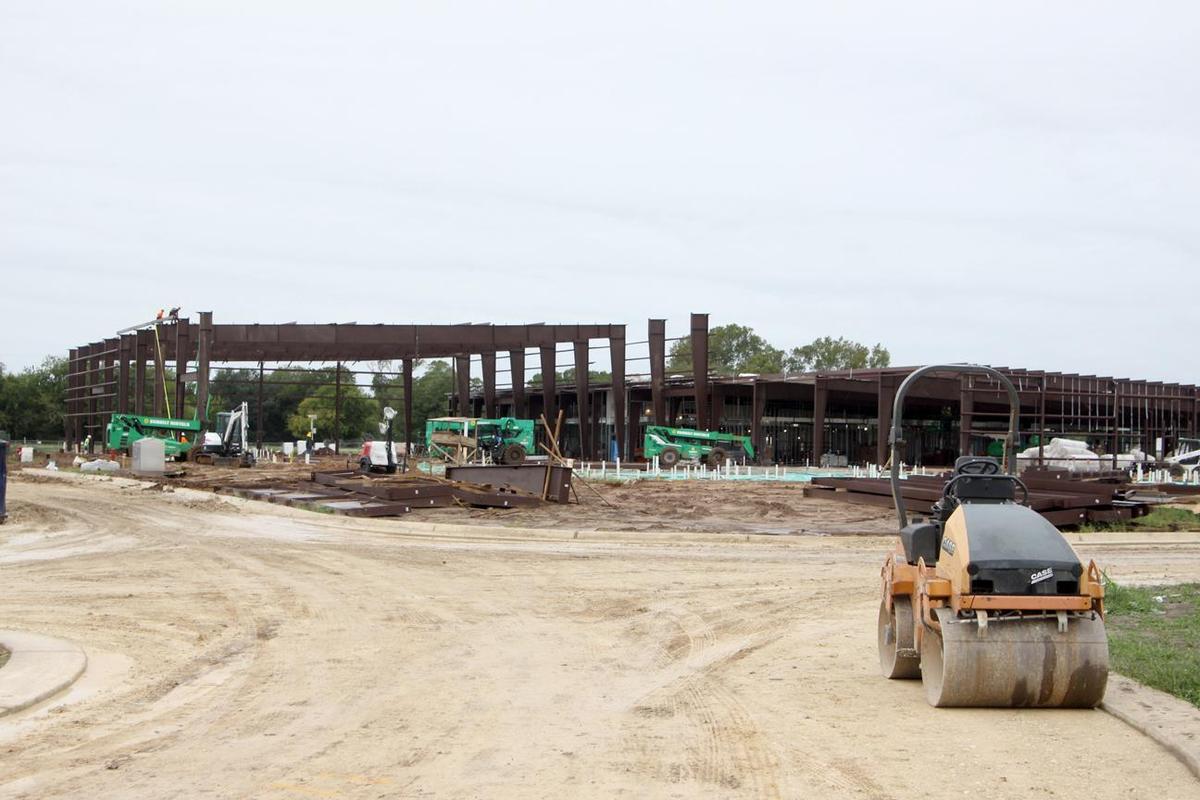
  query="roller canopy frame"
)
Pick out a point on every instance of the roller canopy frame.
point(895, 435)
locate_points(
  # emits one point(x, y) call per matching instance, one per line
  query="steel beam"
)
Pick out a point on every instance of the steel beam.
point(372, 342)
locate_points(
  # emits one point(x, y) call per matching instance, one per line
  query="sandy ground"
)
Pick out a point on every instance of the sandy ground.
point(246, 650)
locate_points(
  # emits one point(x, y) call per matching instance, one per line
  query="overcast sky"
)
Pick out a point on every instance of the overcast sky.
point(1017, 184)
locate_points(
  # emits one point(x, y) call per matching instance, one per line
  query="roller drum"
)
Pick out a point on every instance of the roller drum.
point(1014, 663)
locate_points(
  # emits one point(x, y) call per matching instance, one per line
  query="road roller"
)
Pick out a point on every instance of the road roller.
point(985, 601)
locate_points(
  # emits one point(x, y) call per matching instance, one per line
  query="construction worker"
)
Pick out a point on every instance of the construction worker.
point(159, 315)
point(174, 314)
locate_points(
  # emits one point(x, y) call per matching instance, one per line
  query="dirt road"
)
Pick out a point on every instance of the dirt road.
point(246, 650)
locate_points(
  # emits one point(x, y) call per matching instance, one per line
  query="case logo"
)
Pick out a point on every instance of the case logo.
point(1042, 575)
point(948, 546)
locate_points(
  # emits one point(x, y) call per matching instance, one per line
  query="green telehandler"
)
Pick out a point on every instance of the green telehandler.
point(178, 435)
point(673, 445)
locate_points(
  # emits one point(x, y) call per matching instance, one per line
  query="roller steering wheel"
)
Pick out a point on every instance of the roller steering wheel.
point(978, 466)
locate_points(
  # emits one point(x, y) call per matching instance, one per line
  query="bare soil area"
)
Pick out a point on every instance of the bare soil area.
point(642, 505)
point(240, 649)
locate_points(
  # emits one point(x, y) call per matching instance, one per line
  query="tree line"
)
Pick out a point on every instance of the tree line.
point(735, 349)
point(31, 401)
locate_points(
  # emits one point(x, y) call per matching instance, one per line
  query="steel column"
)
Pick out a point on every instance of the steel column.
point(139, 373)
point(181, 362)
point(582, 399)
point(1114, 421)
point(886, 397)
point(160, 372)
point(758, 407)
point(337, 409)
point(202, 355)
point(616, 351)
point(258, 439)
point(631, 443)
point(123, 377)
point(820, 401)
point(966, 415)
point(700, 368)
point(516, 372)
point(1042, 423)
point(658, 365)
point(111, 349)
point(549, 389)
point(489, 384)
point(462, 378)
point(70, 399)
point(93, 374)
point(407, 369)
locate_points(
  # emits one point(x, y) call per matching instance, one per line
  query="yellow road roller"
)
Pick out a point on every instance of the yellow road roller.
point(985, 601)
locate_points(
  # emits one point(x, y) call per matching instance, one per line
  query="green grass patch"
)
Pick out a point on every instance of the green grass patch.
point(1160, 518)
point(1154, 636)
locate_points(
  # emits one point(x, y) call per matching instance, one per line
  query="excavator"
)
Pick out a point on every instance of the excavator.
point(985, 601)
point(229, 445)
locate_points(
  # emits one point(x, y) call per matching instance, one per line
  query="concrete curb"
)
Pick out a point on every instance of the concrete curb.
point(1173, 723)
point(39, 668)
point(1132, 538)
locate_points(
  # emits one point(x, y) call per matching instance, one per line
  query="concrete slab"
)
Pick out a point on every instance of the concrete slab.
point(39, 668)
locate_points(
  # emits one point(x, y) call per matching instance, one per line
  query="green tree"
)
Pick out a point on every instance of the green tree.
point(430, 391)
point(731, 349)
point(566, 377)
point(433, 382)
point(31, 401)
point(359, 413)
point(828, 353)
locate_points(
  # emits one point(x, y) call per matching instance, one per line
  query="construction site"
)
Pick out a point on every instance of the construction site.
point(630, 580)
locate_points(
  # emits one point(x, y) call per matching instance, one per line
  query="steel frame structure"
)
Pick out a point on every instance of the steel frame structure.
point(111, 375)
